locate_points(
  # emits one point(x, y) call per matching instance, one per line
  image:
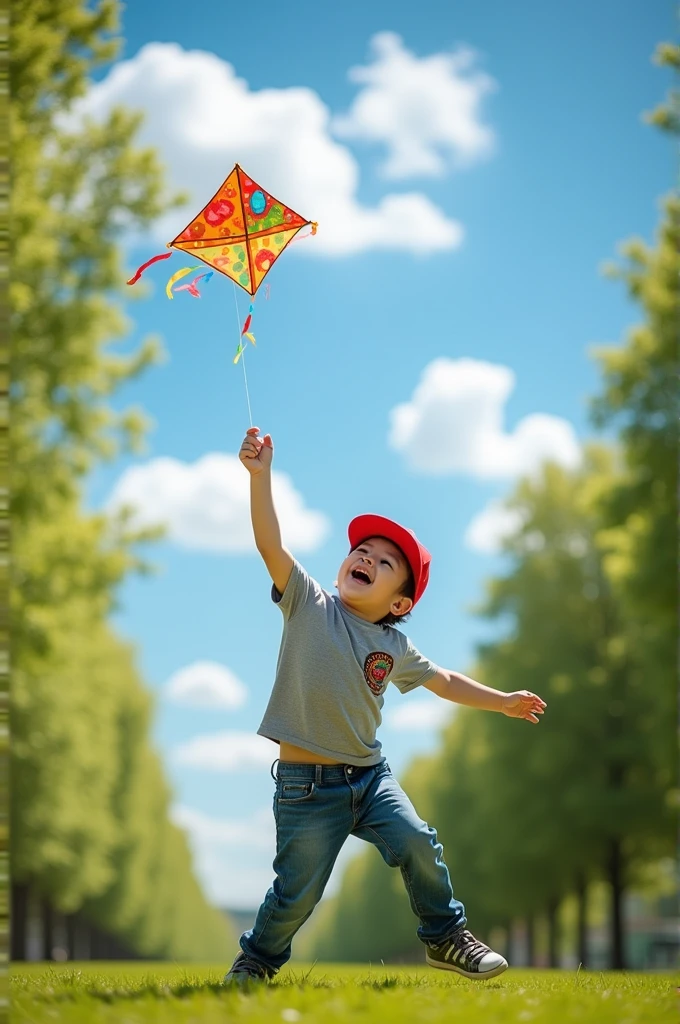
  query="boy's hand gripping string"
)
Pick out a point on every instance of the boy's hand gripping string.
point(256, 452)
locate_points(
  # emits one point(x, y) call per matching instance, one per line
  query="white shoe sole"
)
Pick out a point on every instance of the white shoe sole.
point(467, 974)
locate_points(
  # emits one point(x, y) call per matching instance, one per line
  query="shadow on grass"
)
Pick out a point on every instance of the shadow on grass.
point(74, 987)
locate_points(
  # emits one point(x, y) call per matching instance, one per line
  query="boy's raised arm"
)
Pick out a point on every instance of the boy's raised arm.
point(256, 455)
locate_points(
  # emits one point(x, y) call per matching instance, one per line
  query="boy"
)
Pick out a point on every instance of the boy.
point(337, 655)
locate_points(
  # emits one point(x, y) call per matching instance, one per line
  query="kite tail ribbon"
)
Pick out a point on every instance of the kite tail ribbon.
point(191, 287)
point(175, 277)
point(245, 332)
point(140, 270)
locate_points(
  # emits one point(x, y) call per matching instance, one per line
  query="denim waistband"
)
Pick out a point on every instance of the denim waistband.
point(320, 773)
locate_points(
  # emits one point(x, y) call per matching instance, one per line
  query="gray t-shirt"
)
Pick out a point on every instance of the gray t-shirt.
point(332, 671)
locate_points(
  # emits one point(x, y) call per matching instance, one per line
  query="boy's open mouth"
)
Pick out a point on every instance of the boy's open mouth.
point(361, 576)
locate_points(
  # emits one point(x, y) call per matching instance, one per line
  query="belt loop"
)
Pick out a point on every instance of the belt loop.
point(318, 774)
point(270, 770)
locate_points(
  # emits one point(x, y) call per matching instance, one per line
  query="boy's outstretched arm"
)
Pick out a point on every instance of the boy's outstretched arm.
point(256, 455)
point(462, 690)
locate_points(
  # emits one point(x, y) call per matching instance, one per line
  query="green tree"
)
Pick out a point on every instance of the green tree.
point(593, 759)
point(640, 511)
point(640, 536)
point(90, 805)
point(667, 115)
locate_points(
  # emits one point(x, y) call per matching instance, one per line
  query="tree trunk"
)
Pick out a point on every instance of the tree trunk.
point(615, 874)
point(47, 924)
point(530, 941)
point(18, 921)
point(71, 921)
point(95, 950)
point(509, 944)
point(582, 921)
point(552, 934)
point(84, 950)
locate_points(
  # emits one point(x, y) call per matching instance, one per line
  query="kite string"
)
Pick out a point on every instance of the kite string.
point(243, 356)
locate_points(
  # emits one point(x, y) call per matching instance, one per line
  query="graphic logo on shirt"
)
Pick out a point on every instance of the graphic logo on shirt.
point(377, 668)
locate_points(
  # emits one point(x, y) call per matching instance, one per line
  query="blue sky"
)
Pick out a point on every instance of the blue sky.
point(523, 165)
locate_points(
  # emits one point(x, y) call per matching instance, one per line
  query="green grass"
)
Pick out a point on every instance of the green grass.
point(134, 993)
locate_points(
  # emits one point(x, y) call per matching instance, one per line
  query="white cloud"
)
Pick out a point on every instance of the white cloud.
point(206, 504)
point(490, 527)
point(205, 684)
point(496, 523)
point(425, 110)
point(256, 832)
point(226, 752)
point(202, 118)
point(421, 714)
point(454, 424)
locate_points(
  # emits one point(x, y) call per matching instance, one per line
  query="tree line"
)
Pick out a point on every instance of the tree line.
point(90, 835)
point(529, 818)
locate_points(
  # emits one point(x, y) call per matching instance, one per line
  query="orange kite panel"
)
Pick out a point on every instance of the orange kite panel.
point(241, 231)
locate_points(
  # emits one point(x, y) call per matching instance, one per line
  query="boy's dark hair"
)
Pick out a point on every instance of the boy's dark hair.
point(408, 589)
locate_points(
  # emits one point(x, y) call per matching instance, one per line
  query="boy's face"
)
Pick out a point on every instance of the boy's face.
point(370, 580)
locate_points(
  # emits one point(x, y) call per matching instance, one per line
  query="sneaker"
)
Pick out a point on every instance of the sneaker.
point(466, 955)
point(245, 972)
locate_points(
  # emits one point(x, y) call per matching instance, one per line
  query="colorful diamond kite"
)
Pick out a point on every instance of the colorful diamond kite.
point(242, 231)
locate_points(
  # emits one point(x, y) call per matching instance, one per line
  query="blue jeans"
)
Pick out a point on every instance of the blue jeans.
point(316, 807)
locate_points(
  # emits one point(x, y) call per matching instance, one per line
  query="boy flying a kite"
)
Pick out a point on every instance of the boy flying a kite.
point(338, 653)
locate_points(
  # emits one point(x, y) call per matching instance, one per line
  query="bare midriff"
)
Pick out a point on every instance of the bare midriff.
point(289, 752)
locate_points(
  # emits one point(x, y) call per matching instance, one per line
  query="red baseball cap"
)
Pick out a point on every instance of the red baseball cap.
point(418, 557)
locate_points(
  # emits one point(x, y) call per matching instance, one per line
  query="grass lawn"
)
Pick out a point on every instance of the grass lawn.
point(134, 993)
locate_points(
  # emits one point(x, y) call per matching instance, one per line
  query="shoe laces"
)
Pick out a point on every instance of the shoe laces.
point(244, 965)
point(470, 947)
